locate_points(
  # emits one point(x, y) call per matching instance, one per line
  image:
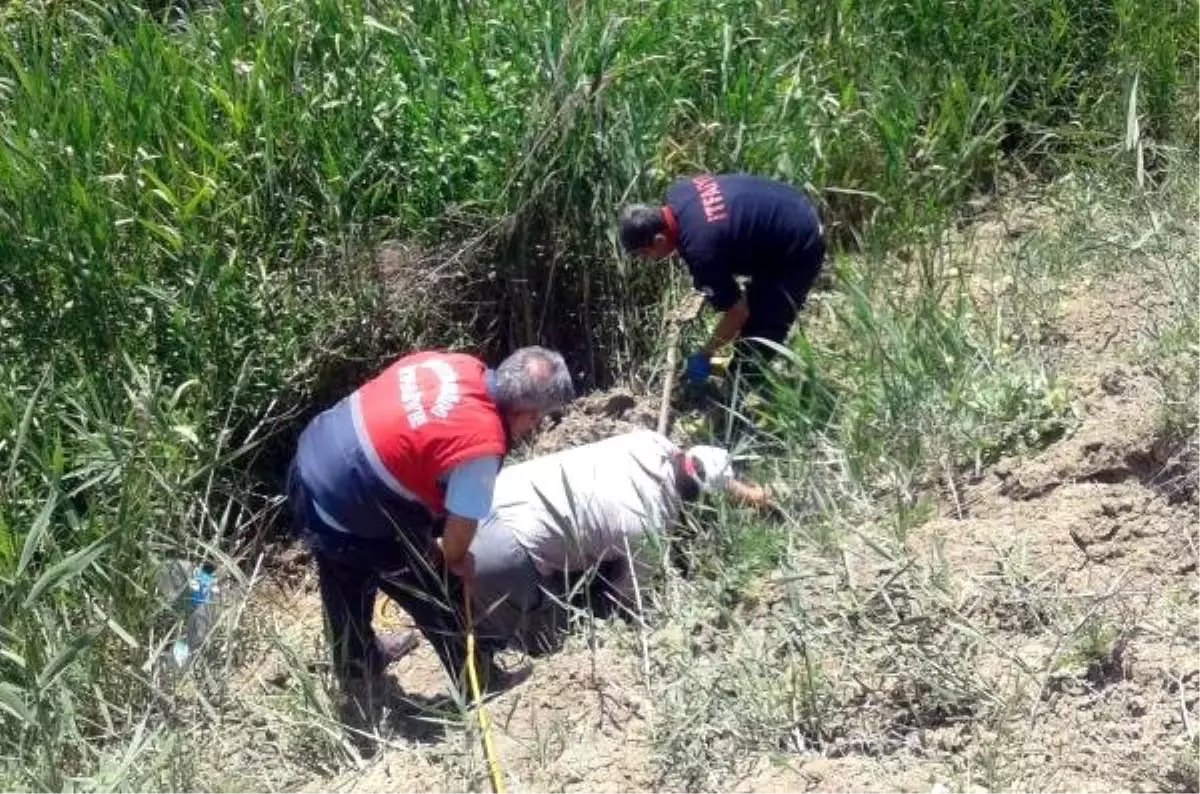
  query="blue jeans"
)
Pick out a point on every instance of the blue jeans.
point(352, 569)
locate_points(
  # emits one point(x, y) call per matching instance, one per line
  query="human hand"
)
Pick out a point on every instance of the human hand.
point(764, 498)
point(698, 367)
point(748, 493)
point(774, 497)
point(463, 567)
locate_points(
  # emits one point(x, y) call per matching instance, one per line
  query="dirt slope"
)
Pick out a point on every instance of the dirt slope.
point(1077, 566)
point(1108, 518)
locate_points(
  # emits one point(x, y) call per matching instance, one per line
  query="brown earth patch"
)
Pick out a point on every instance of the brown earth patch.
point(597, 416)
point(1038, 634)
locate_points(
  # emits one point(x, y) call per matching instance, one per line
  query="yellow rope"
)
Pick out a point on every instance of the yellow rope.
point(484, 724)
point(488, 750)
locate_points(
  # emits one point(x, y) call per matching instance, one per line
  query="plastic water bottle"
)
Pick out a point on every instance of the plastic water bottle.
point(200, 606)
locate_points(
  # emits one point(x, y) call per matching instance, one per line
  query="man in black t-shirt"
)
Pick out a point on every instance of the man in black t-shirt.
point(735, 225)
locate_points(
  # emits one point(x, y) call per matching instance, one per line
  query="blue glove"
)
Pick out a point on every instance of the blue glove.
point(698, 368)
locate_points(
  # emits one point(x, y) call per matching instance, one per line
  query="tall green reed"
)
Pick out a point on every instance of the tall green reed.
point(185, 202)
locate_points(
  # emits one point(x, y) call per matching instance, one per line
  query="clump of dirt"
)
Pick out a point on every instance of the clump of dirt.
point(597, 416)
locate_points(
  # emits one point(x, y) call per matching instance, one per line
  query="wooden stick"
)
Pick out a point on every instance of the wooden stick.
point(664, 410)
point(684, 312)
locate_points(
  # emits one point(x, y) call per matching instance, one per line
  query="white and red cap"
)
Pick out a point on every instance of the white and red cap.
point(709, 467)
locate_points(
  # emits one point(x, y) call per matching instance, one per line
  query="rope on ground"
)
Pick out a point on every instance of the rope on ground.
point(484, 724)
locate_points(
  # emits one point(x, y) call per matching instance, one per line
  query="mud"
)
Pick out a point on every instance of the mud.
point(599, 415)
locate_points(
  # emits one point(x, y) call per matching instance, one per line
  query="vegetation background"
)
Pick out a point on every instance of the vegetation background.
point(192, 198)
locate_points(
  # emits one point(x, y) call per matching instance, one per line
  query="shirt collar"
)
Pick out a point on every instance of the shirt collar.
point(672, 224)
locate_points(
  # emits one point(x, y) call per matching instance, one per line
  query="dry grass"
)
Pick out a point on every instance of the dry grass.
point(185, 203)
point(1027, 623)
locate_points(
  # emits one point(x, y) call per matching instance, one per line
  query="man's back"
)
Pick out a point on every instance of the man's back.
point(573, 508)
point(748, 224)
point(362, 482)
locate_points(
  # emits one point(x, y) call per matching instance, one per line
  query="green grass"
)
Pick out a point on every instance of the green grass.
point(878, 641)
point(876, 636)
point(188, 214)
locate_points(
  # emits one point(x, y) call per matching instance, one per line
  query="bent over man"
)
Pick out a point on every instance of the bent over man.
point(601, 505)
point(724, 226)
point(387, 486)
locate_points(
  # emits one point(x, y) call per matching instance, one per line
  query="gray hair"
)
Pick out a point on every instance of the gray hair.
point(533, 379)
point(638, 225)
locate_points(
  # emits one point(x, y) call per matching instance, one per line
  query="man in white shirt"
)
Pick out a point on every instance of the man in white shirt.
point(604, 505)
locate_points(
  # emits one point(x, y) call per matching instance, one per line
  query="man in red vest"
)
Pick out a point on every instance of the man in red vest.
point(388, 485)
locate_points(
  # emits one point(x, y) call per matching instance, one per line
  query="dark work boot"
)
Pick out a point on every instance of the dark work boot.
point(384, 650)
point(393, 647)
point(493, 679)
point(363, 688)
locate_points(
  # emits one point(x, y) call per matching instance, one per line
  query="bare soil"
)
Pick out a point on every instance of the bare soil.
point(1106, 521)
point(1071, 575)
point(597, 416)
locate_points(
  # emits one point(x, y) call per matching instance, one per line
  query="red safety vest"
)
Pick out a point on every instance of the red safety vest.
point(424, 415)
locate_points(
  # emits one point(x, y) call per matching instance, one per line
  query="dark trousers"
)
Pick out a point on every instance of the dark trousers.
point(352, 570)
point(773, 306)
point(510, 606)
point(517, 607)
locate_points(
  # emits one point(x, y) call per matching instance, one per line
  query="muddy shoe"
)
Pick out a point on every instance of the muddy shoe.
point(494, 679)
point(388, 648)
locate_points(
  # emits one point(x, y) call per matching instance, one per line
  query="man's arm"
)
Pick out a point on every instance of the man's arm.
point(468, 501)
point(728, 328)
point(456, 540)
point(747, 492)
point(713, 279)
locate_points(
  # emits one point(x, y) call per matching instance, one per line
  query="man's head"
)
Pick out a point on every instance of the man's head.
point(645, 232)
point(531, 383)
point(701, 469)
point(709, 467)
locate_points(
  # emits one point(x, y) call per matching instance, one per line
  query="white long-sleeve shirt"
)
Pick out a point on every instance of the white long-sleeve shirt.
point(572, 509)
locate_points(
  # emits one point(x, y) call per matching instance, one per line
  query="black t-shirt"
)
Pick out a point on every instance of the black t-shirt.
point(741, 225)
